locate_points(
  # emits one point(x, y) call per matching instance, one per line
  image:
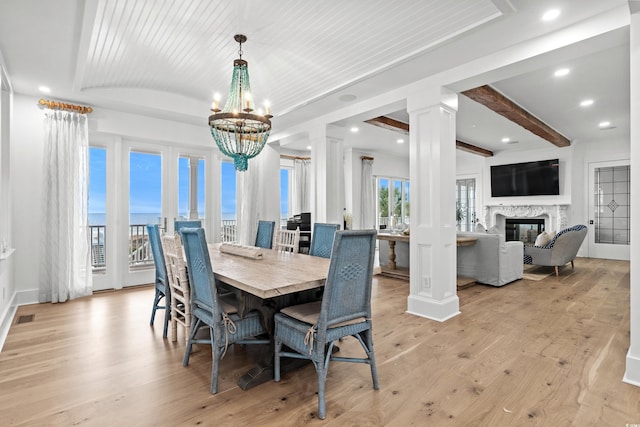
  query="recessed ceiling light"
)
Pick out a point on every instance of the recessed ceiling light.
point(308, 147)
point(586, 103)
point(550, 15)
point(44, 89)
point(604, 124)
point(561, 72)
point(400, 141)
point(354, 129)
point(347, 98)
point(505, 140)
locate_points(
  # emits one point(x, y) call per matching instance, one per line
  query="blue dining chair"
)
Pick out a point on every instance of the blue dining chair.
point(161, 282)
point(322, 239)
point(309, 331)
point(264, 236)
point(226, 327)
point(180, 224)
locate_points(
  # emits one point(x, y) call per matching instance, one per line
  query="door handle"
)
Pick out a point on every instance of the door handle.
point(590, 222)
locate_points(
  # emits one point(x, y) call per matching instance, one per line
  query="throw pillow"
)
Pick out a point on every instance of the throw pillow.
point(480, 228)
point(543, 239)
point(494, 230)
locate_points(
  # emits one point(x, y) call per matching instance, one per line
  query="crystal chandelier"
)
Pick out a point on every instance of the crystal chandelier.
point(239, 132)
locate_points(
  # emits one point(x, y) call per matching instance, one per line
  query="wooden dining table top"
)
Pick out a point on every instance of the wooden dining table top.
point(276, 273)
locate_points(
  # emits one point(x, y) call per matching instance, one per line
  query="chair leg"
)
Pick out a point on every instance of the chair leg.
point(372, 359)
point(192, 334)
point(216, 352)
point(156, 301)
point(322, 379)
point(556, 267)
point(276, 361)
point(167, 316)
point(572, 264)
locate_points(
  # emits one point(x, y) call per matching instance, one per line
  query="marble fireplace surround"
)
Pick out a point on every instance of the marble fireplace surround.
point(554, 215)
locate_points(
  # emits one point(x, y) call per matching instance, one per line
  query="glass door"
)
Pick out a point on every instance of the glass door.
point(609, 210)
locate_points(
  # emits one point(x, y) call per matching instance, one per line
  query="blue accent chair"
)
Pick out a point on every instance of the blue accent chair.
point(309, 331)
point(226, 327)
point(162, 282)
point(180, 224)
point(264, 236)
point(322, 239)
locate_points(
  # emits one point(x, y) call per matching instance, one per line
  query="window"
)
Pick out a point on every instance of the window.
point(98, 207)
point(184, 190)
point(466, 204)
point(286, 176)
point(393, 199)
point(228, 201)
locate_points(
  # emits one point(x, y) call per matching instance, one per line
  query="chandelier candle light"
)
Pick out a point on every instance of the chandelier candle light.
point(239, 132)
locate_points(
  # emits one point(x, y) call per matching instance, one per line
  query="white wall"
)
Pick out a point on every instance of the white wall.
point(7, 283)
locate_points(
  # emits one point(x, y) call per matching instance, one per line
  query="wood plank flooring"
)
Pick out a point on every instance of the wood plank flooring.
point(532, 353)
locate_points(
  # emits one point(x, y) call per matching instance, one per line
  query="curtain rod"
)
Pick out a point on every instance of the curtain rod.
point(62, 106)
point(286, 156)
point(366, 158)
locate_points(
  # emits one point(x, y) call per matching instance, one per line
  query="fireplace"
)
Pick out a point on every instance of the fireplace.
point(553, 217)
point(524, 230)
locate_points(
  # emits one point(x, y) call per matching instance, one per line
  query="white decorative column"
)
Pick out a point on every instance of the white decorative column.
point(632, 372)
point(327, 177)
point(432, 123)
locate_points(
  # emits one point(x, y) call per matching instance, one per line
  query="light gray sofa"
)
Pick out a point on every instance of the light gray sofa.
point(491, 261)
point(562, 249)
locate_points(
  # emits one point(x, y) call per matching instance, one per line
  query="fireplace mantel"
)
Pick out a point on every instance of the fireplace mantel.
point(555, 215)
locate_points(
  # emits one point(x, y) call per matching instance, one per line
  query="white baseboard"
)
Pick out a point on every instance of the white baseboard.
point(17, 299)
point(7, 319)
point(632, 373)
point(29, 296)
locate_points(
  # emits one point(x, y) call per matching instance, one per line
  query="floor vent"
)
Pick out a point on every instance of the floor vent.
point(26, 318)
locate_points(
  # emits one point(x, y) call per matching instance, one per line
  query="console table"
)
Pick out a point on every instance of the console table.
point(391, 269)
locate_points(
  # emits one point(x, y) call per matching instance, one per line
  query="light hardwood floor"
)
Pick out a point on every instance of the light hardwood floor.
point(540, 353)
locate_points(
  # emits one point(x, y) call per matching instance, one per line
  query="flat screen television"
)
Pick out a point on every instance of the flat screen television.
point(526, 179)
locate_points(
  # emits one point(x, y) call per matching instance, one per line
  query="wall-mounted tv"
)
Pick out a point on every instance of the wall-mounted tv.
point(526, 179)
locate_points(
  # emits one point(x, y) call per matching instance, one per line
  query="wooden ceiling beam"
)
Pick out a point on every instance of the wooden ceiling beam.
point(463, 146)
point(495, 101)
point(398, 126)
point(390, 124)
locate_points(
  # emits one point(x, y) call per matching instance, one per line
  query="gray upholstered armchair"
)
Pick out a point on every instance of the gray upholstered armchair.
point(562, 249)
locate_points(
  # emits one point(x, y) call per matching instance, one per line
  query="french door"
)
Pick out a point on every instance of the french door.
point(148, 184)
point(609, 209)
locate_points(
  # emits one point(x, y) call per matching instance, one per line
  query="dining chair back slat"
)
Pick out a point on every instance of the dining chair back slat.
point(287, 240)
point(162, 289)
point(180, 224)
point(264, 236)
point(179, 284)
point(322, 239)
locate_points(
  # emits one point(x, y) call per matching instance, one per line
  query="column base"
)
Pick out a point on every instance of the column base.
point(430, 308)
point(632, 373)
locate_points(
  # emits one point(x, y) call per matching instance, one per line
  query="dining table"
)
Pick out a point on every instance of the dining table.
point(275, 280)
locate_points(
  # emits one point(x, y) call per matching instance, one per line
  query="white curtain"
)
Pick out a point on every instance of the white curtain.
point(367, 204)
point(301, 186)
point(65, 271)
point(248, 183)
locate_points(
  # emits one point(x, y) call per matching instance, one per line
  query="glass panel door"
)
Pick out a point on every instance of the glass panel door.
point(610, 210)
point(466, 204)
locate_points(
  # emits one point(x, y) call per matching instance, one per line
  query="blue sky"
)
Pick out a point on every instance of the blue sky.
point(145, 184)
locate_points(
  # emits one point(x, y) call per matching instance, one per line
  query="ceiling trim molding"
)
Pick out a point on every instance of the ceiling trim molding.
point(402, 127)
point(495, 101)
